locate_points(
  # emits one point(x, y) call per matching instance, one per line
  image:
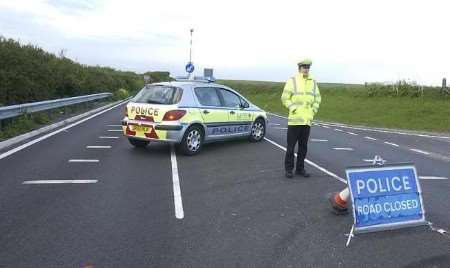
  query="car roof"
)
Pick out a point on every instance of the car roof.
point(190, 83)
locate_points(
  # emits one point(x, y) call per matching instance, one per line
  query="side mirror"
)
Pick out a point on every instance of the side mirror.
point(245, 105)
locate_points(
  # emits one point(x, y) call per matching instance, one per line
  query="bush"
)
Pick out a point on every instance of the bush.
point(121, 94)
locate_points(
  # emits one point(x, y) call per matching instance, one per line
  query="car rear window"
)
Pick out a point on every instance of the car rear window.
point(159, 95)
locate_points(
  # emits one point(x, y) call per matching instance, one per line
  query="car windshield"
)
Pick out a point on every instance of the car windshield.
point(159, 95)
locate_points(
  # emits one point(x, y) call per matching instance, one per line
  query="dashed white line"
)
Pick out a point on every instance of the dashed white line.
point(98, 147)
point(319, 140)
point(390, 143)
point(84, 161)
point(351, 133)
point(342, 149)
point(311, 163)
point(370, 138)
point(178, 202)
point(339, 130)
point(23, 146)
point(283, 128)
point(420, 151)
point(432, 178)
point(108, 137)
point(115, 130)
point(114, 125)
point(324, 126)
point(59, 181)
point(274, 124)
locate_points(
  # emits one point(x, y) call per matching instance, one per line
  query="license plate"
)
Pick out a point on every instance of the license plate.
point(141, 128)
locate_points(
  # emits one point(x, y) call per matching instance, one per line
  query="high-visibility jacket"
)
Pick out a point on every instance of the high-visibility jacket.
point(302, 98)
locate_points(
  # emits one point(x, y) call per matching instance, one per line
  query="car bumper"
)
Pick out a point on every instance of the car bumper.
point(165, 132)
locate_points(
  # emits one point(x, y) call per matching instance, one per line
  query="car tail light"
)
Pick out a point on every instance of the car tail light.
point(174, 115)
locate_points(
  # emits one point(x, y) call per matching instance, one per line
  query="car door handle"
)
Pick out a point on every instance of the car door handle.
point(205, 111)
point(232, 112)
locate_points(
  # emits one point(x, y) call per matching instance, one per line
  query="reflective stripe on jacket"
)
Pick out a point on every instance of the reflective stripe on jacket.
point(302, 98)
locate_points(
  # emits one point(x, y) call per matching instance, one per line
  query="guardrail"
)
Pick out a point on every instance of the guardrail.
point(27, 108)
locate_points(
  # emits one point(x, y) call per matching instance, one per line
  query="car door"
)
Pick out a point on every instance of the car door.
point(239, 119)
point(214, 115)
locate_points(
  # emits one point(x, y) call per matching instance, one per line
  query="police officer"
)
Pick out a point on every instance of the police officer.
point(302, 98)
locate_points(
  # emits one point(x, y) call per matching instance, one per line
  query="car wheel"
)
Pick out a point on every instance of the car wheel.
point(138, 143)
point(258, 130)
point(192, 140)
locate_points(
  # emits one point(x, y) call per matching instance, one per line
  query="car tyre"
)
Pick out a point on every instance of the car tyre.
point(192, 141)
point(258, 130)
point(138, 143)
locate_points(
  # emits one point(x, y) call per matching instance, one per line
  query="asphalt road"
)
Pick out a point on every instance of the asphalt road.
point(237, 208)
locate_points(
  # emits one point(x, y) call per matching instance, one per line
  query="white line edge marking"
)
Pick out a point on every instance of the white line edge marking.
point(115, 130)
point(420, 151)
point(108, 137)
point(311, 163)
point(339, 130)
point(275, 124)
point(59, 181)
point(98, 147)
point(351, 133)
point(374, 130)
point(432, 178)
point(342, 149)
point(114, 125)
point(23, 146)
point(178, 202)
point(370, 138)
point(84, 161)
point(319, 140)
point(282, 128)
point(390, 143)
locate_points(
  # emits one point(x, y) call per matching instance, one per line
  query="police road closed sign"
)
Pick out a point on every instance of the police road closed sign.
point(385, 197)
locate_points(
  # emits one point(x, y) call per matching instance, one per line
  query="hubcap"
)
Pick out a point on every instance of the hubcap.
point(257, 130)
point(193, 140)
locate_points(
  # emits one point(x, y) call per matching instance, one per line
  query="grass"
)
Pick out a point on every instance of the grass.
point(350, 104)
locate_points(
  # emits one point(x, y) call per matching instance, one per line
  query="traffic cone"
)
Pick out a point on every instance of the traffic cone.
point(338, 202)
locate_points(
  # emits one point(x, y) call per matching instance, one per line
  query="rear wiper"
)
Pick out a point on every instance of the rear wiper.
point(154, 102)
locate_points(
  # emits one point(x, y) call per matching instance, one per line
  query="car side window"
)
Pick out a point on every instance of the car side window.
point(207, 96)
point(230, 99)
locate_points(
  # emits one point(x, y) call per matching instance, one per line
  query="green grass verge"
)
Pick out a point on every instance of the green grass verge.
point(350, 104)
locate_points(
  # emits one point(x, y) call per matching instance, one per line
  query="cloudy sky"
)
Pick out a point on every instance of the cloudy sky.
point(349, 41)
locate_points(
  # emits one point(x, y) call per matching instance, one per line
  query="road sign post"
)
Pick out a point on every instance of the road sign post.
point(385, 197)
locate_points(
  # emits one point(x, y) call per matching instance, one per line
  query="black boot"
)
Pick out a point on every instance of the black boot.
point(302, 173)
point(289, 174)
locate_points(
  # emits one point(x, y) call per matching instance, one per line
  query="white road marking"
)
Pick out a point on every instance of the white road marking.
point(370, 138)
point(351, 133)
point(84, 161)
point(339, 130)
point(59, 181)
point(420, 151)
point(283, 128)
point(23, 146)
point(311, 163)
point(114, 125)
point(324, 126)
point(98, 147)
point(274, 124)
point(108, 137)
point(179, 213)
point(115, 130)
point(432, 178)
point(390, 143)
point(342, 149)
point(319, 140)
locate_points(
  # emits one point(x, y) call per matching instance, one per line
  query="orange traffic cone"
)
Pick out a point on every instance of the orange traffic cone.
point(338, 202)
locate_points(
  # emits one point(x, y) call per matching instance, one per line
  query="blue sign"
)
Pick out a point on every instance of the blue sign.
point(385, 197)
point(190, 67)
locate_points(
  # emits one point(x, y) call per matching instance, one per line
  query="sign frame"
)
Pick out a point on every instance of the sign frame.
point(385, 226)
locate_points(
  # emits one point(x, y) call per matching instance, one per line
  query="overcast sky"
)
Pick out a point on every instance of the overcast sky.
point(348, 41)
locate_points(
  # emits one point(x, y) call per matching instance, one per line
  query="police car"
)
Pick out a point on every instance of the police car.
point(191, 113)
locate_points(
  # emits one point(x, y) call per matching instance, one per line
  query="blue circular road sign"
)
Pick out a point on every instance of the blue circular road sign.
point(189, 67)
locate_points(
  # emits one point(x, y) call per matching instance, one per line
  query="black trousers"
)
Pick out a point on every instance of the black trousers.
point(300, 135)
